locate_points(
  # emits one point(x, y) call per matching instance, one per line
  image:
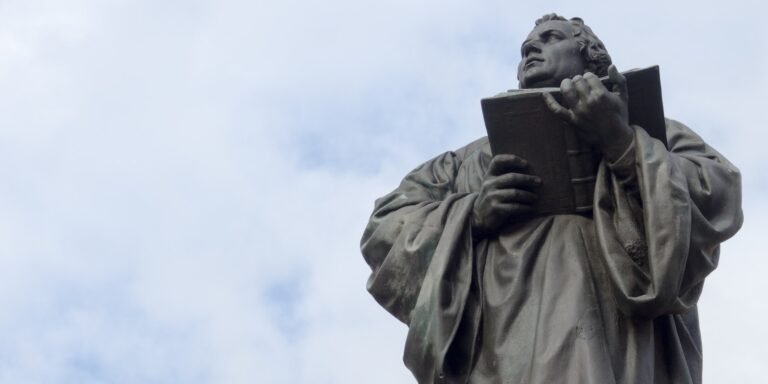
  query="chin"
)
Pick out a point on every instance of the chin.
point(536, 82)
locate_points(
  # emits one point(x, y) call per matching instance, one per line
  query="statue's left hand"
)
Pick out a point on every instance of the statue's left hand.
point(600, 115)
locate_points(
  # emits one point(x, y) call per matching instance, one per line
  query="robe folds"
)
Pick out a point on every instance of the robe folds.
point(608, 297)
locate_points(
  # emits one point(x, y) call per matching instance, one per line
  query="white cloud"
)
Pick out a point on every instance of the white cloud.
point(185, 183)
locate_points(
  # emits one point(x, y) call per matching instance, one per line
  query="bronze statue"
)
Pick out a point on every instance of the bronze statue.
point(494, 293)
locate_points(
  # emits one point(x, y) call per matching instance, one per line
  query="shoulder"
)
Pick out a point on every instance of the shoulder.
point(682, 139)
point(677, 131)
point(458, 156)
point(446, 165)
point(479, 145)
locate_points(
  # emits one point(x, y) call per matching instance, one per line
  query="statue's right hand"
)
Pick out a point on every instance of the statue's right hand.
point(508, 192)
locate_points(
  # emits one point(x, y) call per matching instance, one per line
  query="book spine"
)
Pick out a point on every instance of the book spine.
point(582, 164)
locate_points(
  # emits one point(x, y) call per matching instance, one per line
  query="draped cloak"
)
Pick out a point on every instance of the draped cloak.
point(603, 298)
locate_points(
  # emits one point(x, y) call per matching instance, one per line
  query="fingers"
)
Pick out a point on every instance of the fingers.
point(498, 213)
point(514, 196)
point(513, 180)
point(619, 82)
point(570, 93)
point(558, 109)
point(505, 163)
point(581, 85)
point(584, 86)
point(509, 209)
point(582, 94)
point(593, 82)
point(504, 197)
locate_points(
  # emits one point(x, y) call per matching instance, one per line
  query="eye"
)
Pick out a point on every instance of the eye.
point(552, 37)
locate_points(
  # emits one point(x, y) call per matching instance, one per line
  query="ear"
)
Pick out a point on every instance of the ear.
point(586, 56)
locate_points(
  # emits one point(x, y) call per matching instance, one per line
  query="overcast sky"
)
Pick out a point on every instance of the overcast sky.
point(185, 183)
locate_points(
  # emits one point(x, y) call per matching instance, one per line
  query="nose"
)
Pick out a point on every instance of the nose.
point(531, 46)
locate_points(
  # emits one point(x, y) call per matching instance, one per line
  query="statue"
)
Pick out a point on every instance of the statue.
point(493, 293)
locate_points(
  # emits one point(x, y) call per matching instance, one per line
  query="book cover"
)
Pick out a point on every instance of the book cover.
point(520, 123)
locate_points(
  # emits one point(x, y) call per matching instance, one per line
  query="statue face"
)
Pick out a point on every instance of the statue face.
point(550, 54)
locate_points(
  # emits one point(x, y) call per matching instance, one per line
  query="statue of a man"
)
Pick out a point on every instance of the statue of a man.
point(493, 294)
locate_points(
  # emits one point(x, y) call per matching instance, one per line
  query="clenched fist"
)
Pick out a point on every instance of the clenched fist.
point(507, 193)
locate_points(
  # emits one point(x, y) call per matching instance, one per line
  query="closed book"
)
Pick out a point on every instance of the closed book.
point(520, 123)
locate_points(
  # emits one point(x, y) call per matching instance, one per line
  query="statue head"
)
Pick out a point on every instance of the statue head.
point(557, 49)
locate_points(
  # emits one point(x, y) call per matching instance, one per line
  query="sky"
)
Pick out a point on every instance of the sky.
point(185, 183)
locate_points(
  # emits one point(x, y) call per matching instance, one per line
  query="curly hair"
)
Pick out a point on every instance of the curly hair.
point(591, 48)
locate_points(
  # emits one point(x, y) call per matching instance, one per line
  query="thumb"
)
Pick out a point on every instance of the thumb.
point(619, 83)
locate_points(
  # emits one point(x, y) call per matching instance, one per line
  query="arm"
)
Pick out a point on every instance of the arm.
point(660, 215)
point(425, 215)
point(419, 244)
point(660, 218)
point(406, 227)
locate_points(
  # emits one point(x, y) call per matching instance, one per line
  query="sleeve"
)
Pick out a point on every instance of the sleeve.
point(406, 228)
point(419, 246)
point(660, 217)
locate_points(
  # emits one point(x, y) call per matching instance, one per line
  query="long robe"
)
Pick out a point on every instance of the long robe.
point(603, 298)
